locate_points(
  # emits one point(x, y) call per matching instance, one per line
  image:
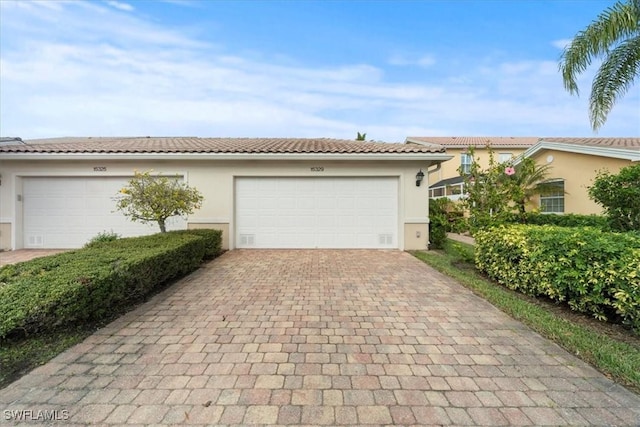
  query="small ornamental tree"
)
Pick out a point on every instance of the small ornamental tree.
point(486, 198)
point(620, 196)
point(501, 192)
point(149, 198)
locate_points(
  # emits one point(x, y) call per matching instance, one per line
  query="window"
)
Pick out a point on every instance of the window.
point(437, 192)
point(504, 157)
point(465, 163)
point(454, 190)
point(553, 199)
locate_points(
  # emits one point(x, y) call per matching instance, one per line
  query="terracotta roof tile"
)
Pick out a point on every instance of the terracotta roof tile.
point(619, 143)
point(212, 145)
point(475, 141)
point(524, 142)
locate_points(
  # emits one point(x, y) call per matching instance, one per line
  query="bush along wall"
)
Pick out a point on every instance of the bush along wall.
point(437, 223)
point(592, 271)
point(89, 284)
point(566, 220)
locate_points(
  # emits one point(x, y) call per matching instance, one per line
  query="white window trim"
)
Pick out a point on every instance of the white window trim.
point(464, 156)
point(551, 181)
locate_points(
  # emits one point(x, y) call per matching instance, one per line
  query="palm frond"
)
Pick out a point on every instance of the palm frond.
point(617, 22)
point(614, 78)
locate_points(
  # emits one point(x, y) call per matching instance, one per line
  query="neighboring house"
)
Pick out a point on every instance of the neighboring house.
point(574, 164)
point(446, 180)
point(263, 193)
point(504, 148)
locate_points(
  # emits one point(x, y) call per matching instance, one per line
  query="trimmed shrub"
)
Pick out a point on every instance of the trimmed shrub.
point(566, 220)
point(213, 239)
point(105, 236)
point(437, 223)
point(619, 195)
point(89, 284)
point(593, 271)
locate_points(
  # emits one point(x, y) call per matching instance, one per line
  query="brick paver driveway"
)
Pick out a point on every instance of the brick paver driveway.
point(20, 255)
point(320, 337)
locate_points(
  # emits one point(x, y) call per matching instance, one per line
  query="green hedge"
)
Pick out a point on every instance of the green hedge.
point(89, 284)
point(566, 220)
point(213, 241)
point(437, 223)
point(593, 271)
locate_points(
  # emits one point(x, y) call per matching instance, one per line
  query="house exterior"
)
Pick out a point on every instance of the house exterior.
point(446, 180)
point(574, 164)
point(262, 193)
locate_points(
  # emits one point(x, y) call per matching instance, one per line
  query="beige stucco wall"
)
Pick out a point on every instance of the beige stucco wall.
point(5, 236)
point(449, 168)
point(215, 179)
point(578, 172)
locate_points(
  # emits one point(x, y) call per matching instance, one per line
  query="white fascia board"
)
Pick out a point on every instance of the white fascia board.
point(615, 153)
point(432, 157)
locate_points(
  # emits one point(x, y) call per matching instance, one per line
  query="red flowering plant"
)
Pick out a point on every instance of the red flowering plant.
point(501, 192)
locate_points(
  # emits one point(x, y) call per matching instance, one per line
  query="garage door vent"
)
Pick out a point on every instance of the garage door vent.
point(35, 241)
point(385, 239)
point(247, 239)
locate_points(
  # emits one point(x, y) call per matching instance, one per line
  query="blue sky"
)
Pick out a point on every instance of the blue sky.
point(391, 69)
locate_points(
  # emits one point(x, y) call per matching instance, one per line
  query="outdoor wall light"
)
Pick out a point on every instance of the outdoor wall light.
point(419, 178)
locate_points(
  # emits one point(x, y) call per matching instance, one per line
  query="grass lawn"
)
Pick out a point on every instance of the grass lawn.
point(17, 357)
point(612, 349)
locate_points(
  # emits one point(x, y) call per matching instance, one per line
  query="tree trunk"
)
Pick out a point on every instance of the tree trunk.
point(163, 227)
point(522, 211)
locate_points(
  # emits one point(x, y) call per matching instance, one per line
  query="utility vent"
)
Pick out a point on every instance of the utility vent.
point(247, 239)
point(35, 241)
point(385, 239)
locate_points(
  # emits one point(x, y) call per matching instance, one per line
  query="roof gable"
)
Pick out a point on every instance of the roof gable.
point(618, 148)
point(613, 143)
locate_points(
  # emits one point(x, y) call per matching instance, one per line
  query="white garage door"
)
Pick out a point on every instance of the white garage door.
point(65, 212)
point(317, 212)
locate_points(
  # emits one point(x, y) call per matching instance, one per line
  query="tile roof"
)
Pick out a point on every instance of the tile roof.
point(449, 181)
point(212, 145)
point(475, 141)
point(616, 143)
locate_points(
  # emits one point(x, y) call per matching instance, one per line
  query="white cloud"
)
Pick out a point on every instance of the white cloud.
point(561, 44)
point(83, 69)
point(424, 61)
point(120, 5)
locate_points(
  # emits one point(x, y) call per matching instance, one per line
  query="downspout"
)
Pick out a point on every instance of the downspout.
point(438, 167)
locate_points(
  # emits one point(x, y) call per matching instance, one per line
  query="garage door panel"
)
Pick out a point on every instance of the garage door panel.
point(268, 203)
point(316, 212)
point(66, 212)
point(287, 202)
point(305, 203)
point(268, 221)
point(329, 222)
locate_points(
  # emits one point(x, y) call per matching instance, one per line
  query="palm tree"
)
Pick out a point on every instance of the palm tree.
point(615, 37)
point(361, 136)
point(530, 180)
